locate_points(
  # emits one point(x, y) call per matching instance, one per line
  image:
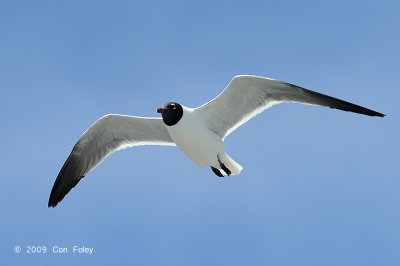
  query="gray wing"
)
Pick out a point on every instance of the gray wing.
point(108, 134)
point(247, 96)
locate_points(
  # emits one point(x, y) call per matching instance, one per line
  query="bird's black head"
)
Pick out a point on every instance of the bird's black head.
point(171, 113)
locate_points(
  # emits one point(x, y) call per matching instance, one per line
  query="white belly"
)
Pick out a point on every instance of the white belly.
point(195, 140)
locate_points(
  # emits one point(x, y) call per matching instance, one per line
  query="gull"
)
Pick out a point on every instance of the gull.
point(198, 132)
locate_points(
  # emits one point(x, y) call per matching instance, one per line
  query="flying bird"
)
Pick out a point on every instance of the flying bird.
point(198, 132)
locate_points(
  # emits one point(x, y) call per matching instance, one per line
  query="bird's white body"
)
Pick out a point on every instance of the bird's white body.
point(203, 146)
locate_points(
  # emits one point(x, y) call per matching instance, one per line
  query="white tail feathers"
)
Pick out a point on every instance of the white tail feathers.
point(233, 166)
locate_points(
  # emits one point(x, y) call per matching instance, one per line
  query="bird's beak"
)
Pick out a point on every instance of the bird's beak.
point(160, 110)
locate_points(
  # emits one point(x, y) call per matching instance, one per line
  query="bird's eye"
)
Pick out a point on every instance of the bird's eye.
point(172, 106)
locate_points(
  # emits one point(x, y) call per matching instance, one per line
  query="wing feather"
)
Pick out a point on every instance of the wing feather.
point(247, 96)
point(107, 135)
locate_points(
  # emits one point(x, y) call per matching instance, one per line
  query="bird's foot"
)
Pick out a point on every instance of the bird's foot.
point(217, 172)
point(223, 167)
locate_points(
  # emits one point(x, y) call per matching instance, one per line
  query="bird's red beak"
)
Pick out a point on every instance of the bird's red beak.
point(160, 110)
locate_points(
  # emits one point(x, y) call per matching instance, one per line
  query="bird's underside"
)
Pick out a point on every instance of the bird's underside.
point(242, 99)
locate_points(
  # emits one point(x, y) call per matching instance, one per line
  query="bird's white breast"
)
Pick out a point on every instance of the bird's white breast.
point(199, 143)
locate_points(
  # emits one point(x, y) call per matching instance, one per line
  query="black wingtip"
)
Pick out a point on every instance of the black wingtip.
point(68, 177)
point(59, 192)
point(364, 111)
point(336, 103)
point(380, 115)
point(369, 112)
point(52, 203)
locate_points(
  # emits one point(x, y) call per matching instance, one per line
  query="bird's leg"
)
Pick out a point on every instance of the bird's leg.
point(217, 172)
point(223, 167)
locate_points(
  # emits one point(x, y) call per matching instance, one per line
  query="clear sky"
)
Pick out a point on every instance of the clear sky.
point(319, 186)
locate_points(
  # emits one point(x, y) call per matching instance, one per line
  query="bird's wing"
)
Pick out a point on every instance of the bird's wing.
point(247, 96)
point(108, 134)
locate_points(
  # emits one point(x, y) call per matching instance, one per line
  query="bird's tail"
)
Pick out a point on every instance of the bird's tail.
point(233, 166)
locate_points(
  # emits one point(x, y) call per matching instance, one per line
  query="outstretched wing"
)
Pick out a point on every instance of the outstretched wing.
point(108, 134)
point(247, 96)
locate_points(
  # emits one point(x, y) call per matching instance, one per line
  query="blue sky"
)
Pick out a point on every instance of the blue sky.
point(319, 186)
